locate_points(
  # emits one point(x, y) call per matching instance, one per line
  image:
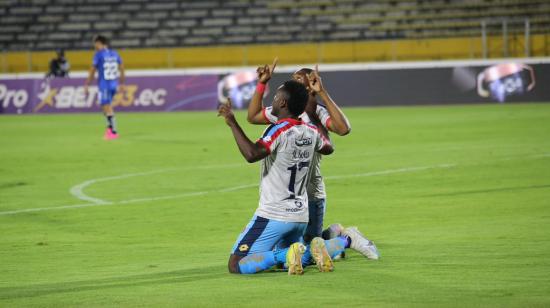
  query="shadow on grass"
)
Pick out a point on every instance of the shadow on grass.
point(180, 276)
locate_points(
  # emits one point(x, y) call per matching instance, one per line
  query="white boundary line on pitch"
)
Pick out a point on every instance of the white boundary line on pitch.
point(391, 171)
point(100, 202)
point(78, 190)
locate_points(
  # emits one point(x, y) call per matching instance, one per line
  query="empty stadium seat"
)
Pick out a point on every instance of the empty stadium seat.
point(176, 23)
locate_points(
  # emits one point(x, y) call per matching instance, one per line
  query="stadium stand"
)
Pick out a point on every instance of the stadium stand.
point(185, 33)
point(49, 24)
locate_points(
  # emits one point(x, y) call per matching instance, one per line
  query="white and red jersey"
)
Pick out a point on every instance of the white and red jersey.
point(292, 144)
point(316, 185)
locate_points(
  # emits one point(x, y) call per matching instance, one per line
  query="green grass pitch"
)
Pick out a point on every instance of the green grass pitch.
point(457, 199)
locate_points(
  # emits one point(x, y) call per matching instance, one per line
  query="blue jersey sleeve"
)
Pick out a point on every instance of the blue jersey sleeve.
point(96, 60)
point(118, 58)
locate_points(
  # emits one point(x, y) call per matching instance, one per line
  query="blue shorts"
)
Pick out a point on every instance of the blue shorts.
point(262, 234)
point(106, 95)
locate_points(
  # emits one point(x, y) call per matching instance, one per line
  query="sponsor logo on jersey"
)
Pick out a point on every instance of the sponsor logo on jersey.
point(297, 154)
point(303, 142)
point(294, 210)
point(299, 207)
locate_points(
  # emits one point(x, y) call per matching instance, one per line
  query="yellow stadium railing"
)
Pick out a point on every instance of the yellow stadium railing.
point(300, 53)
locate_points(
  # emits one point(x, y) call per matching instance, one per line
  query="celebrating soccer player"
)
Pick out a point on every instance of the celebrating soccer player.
point(108, 65)
point(286, 150)
point(326, 118)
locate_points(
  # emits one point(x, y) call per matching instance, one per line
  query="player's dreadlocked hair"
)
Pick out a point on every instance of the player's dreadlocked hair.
point(296, 96)
point(102, 39)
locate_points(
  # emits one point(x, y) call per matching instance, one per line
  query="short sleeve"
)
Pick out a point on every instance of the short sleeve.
point(320, 142)
point(118, 59)
point(323, 115)
point(266, 111)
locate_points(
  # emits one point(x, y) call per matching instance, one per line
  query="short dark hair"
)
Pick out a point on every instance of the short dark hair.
point(102, 39)
point(296, 96)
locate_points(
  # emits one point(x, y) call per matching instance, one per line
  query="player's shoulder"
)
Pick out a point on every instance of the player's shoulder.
point(278, 127)
point(109, 52)
point(281, 128)
point(306, 127)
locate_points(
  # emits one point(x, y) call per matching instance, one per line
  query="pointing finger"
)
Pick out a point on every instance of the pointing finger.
point(274, 64)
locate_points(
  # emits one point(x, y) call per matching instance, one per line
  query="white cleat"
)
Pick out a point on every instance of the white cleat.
point(361, 243)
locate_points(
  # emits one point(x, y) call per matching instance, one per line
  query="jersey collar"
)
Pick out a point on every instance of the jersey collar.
point(290, 120)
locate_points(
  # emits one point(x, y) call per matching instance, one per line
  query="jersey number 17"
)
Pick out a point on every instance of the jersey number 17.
point(292, 183)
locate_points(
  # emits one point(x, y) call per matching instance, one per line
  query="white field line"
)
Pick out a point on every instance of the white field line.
point(383, 172)
point(541, 155)
point(100, 202)
point(78, 190)
point(224, 190)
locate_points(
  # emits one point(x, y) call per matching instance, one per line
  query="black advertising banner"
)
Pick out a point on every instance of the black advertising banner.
point(376, 84)
point(498, 83)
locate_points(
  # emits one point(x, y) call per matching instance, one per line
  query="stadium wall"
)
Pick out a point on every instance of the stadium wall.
point(364, 84)
point(330, 52)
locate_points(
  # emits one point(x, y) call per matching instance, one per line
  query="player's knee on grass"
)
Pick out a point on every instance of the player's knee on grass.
point(233, 264)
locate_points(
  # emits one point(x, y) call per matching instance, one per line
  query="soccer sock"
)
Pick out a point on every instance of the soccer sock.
point(336, 246)
point(257, 262)
point(280, 256)
point(111, 123)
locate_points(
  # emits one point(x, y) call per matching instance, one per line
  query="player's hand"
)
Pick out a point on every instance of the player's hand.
point(224, 110)
point(121, 87)
point(265, 72)
point(314, 80)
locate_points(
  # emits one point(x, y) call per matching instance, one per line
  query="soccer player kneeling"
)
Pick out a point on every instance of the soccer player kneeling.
point(286, 150)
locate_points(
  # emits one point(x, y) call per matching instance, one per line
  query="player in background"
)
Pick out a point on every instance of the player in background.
point(108, 65)
point(286, 149)
point(327, 118)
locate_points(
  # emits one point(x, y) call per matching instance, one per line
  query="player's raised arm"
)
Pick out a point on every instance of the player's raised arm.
point(252, 152)
point(339, 123)
point(255, 112)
